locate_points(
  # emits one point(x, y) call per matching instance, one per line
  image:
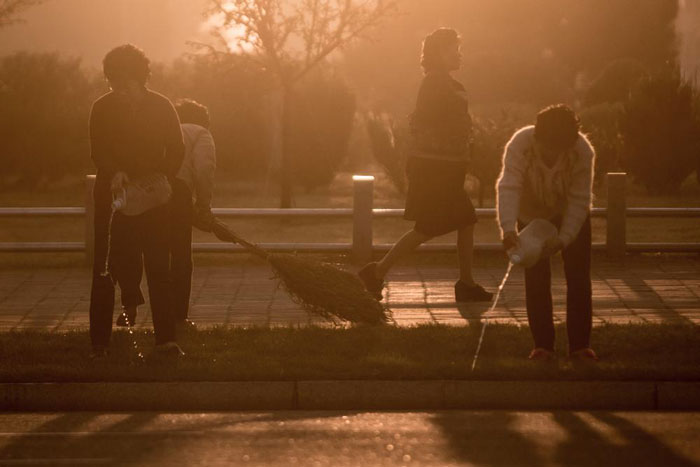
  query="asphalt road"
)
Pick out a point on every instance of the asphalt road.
point(365, 439)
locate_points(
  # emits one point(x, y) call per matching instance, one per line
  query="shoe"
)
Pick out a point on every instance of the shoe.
point(127, 317)
point(584, 355)
point(169, 349)
point(475, 293)
point(368, 277)
point(542, 355)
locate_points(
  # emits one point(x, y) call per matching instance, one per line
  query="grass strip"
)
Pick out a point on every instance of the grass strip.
point(628, 352)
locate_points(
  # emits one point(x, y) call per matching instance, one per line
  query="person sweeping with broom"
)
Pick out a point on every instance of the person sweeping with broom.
point(547, 174)
point(436, 200)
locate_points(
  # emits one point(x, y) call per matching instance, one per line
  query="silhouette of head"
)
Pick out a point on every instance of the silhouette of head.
point(191, 111)
point(557, 128)
point(441, 51)
point(126, 65)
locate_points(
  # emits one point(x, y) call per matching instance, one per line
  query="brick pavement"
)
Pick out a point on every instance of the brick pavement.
point(654, 288)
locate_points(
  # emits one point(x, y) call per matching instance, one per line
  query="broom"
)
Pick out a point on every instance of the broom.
point(318, 287)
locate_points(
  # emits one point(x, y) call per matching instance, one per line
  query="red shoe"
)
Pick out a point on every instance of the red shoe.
point(542, 355)
point(584, 355)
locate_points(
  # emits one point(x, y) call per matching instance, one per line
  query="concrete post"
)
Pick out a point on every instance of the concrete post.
point(89, 219)
point(363, 201)
point(616, 239)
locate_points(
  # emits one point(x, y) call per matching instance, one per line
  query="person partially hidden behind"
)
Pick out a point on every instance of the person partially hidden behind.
point(134, 135)
point(547, 174)
point(189, 205)
point(436, 200)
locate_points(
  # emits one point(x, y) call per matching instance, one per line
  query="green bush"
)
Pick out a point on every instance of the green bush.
point(45, 101)
point(389, 146)
point(322, 118)
point(489, 138)
point(601, 123)
point(660, 129)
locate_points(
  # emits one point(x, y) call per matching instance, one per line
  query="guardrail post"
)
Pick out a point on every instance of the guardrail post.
point(616, 235)
point(363, 201)
point(89, 219)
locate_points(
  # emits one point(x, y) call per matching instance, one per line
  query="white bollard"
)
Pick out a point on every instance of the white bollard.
point(363, 201)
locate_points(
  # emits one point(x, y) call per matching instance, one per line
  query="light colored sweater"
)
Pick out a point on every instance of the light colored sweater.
point(199, 166)
point(528, 189)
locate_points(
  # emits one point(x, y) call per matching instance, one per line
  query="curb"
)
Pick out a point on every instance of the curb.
point(351, 395)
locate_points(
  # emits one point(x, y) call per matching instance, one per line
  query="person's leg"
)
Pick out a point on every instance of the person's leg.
point(406, 245)
point(579, 306)
point(156, 254)
point(538, 301)
point(102, 289)
point(127, 265)
point(181, 249)
point(465, 253)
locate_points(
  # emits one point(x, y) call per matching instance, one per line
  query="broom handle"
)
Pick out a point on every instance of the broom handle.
point(256, 250)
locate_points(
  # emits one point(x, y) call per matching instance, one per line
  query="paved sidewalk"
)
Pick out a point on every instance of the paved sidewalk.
point(663, 288)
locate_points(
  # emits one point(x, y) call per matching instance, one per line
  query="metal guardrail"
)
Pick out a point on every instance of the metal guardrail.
point(363, 213)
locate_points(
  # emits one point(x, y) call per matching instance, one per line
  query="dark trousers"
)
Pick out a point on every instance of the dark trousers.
point(132, 238)
point(102, 291)
point(579, 309)
point(179, 244)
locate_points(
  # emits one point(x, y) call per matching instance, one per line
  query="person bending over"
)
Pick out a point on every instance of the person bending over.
point(547, 174)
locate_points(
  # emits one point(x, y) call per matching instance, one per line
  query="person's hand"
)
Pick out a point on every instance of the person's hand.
point(119, 181)
point(510, 240)
point(203, 219)
point(551, 247)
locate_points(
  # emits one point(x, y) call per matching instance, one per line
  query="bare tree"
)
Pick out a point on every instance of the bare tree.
point(290, 38)
point(10, 9)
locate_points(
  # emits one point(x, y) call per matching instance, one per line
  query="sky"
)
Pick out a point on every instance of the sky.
point(89, 28)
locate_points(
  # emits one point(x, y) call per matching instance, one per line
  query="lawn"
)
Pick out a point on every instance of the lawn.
point(628, 352)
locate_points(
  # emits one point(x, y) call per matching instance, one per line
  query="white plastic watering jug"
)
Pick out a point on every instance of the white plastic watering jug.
point(532, 239)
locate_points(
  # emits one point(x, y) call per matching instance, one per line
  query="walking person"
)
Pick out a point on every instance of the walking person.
point(134, 135)
point(547, 174)
point(436, 200)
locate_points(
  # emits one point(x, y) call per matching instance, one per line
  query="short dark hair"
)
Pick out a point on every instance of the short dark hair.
point(557, 127)
point(433, 46)
point(126, 62)
point(191, 111)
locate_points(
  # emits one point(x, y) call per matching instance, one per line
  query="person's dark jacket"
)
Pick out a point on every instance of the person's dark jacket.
point(441, 126)
point(138, 139)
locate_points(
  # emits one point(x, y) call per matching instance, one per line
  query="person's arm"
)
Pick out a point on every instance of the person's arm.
point(174, 143)
point(101, 151)
point(204, 160)
point(510, 182)
point(578, 202)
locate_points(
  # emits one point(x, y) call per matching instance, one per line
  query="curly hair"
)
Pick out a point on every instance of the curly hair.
point(191, 111)
point(557, 127)
point(433, 46)
point(126, 62)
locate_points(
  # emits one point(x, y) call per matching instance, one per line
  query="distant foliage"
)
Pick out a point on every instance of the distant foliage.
point(601, 123)
point(234, 90)
point(389, 146)
point(615, 82)
point(45, 102)
point(661, 132)
point(323, 114)
point(489, 139)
